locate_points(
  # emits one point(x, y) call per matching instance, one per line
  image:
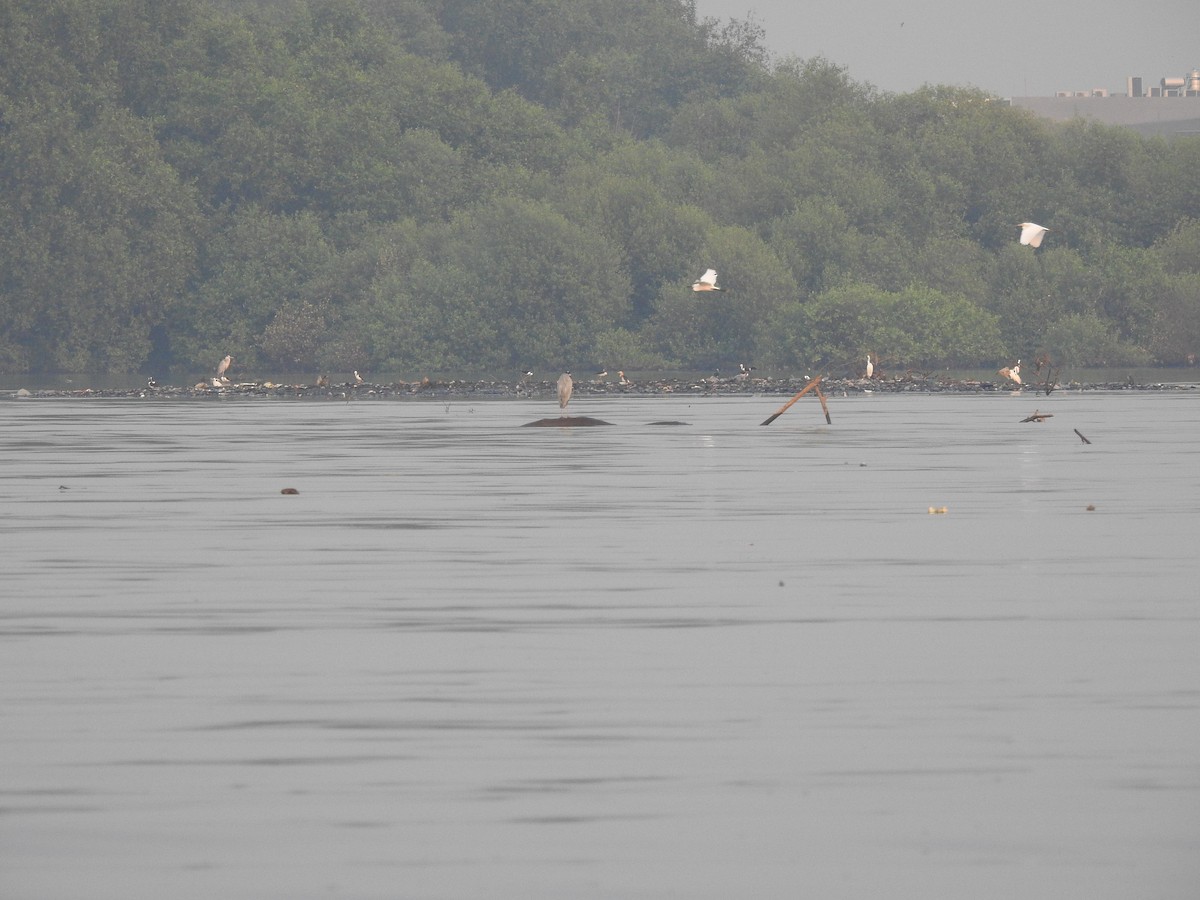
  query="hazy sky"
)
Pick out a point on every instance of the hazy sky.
point(1013, 48)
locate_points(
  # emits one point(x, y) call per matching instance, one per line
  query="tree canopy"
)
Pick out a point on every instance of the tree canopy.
point(470, 186)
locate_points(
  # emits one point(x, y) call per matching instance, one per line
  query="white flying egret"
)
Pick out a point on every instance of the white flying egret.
point(707, 282)
point(565, 387)
point(1032, 233)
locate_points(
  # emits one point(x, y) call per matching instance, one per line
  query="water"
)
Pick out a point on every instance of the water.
point(470, 659)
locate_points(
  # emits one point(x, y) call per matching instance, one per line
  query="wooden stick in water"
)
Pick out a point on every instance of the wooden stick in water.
point(1081, 437)
point(779, 412)
point(824, 407)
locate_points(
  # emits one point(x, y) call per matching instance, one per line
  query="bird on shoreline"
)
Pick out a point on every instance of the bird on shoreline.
point(1032, 233)
point(223, 366)
point(1012, 374)
point(358, 379)
point(707, 282)
point(565, 387)
point(870, 366)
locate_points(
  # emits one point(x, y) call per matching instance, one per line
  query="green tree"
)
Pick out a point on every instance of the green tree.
point(915, 327)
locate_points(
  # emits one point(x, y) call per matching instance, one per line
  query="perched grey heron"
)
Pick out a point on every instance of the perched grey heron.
point(565, 387)
point(707, 282)
point(1032, 233)
point(223, 366)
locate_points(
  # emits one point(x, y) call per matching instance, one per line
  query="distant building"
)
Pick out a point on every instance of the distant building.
point(1171, 109)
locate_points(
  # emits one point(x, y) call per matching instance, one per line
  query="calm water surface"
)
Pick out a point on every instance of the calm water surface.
point(710, 660)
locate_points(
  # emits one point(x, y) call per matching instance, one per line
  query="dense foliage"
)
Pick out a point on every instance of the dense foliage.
point(438, 186)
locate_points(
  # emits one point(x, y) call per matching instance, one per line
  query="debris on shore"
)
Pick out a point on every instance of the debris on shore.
point(547, 390)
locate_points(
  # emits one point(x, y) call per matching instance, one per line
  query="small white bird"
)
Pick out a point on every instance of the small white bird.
point(707, 282)
point(1032, 233)
point(870, 366)
point(357, 378)
point(223, 365)
point(565, 387)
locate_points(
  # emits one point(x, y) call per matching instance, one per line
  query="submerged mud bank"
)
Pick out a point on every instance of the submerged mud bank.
point(546, 390)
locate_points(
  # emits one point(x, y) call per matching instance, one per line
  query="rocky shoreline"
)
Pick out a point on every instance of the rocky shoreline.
point(543, 390)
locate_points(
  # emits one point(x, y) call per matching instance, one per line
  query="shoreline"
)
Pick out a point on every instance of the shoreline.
point(540, 390)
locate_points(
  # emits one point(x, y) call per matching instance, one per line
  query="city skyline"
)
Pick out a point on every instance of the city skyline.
point(1020, 48)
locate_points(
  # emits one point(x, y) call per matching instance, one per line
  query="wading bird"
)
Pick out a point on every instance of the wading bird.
point(357, 377)
point(1032, 233)
point(223, 366)
point(1013, 374)
point(707, 282)
point(623, 379)
point(151, 383)
point(870, 366)
point(565, 387)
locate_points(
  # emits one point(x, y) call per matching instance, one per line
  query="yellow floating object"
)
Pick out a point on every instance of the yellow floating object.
point(938, 510)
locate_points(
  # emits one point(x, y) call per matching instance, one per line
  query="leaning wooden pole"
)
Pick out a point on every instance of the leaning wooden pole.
point(779, 412)
point(824, 407)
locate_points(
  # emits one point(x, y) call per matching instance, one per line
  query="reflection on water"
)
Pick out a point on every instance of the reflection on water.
point(470, 659)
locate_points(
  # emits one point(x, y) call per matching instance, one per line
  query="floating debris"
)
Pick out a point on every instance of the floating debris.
point(289, 491)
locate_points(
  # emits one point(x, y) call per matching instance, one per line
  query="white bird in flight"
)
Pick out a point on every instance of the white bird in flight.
point(707, 282)
point(565, 387)
point(1032, 233)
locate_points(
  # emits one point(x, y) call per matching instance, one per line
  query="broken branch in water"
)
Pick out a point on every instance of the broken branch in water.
point(779, 412)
